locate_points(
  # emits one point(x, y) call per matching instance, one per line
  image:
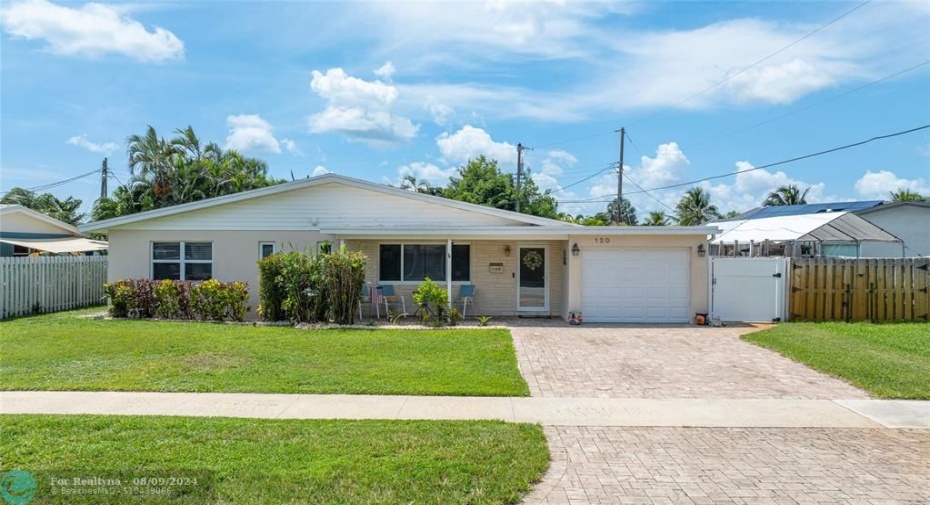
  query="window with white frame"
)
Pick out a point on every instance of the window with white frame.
point(189, 261)
point(416, 262)
point(266, 249)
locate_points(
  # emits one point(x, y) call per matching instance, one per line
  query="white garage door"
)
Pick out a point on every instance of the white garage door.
point(635, 286)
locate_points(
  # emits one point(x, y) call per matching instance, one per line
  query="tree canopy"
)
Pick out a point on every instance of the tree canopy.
point(166, 172)
point(481, 181)
point(907, 195)
point(788, 194)
point(46, 203)
point(695, 208)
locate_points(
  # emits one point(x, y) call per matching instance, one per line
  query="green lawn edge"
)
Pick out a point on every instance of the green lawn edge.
point(890, 361)
point(286, 461)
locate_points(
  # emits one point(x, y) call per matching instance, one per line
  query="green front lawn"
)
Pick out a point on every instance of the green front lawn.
point(887, 360)
point(64, 352)
point(284, 461)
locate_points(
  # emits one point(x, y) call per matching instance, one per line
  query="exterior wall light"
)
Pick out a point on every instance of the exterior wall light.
point(575, 249)
point(507, 250)
point(701, 251)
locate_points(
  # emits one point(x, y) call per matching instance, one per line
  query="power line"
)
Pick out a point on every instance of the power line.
point(51, 185)
point(650, 195)
point(770, 165)
point(744, 69)
point(595, 174)
point(809, 106)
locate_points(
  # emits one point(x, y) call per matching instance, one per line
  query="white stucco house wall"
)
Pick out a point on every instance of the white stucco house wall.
point(520, 264)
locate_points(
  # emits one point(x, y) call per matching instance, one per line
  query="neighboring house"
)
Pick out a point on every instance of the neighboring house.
point(828, 234)
point(25, 232)
point(520, 264)
point(905, 221)
point(909, 221)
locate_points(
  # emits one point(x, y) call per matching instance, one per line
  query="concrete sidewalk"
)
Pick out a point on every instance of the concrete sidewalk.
point(713, 413)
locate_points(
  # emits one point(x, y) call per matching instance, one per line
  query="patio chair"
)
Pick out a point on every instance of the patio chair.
point(388, 296)
point(467, 294)
point(371, 298)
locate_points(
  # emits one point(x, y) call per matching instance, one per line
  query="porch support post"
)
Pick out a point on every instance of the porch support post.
point(449, 271)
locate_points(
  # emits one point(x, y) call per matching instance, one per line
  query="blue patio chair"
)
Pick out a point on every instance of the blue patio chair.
point(388, 296)
point(467, 294)
point(371, 300)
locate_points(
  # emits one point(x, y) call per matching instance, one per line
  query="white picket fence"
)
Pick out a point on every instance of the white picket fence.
point(50, 283)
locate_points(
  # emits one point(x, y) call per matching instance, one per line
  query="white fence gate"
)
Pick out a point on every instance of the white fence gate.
point(50, 283)
point(749, 289)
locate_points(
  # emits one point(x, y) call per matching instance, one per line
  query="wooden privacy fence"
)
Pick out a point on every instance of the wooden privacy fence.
point(883, 289)
point(50, 283)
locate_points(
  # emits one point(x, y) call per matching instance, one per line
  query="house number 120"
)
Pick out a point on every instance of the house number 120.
point(601, 240)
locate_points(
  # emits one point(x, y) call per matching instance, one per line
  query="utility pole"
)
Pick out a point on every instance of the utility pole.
point(519, 173)
point(620, 175)
point(103, 179)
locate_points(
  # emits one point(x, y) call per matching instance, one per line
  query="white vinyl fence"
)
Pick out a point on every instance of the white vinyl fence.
point(50, 283)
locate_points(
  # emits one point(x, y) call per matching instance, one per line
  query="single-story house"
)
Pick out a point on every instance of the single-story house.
point(520, 264)
point(828, 234)
point(909, 221)
point(25, 232)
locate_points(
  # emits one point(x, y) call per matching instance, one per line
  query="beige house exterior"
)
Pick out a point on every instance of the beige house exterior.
point(520, 264)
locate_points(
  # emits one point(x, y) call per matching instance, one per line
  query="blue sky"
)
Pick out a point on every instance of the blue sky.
point(377, 90)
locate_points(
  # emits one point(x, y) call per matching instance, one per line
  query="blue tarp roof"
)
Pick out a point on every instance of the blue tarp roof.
point(813, 208)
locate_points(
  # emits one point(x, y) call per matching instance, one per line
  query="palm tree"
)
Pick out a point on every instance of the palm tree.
point(627, 214)
point(154, 158)
point(906, 195)
point(656, 219)
point(788, 194)
point(695, 208)
point(410, 182)
point(46, 203)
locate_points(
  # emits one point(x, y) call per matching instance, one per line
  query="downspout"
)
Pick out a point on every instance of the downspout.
point(449, 271)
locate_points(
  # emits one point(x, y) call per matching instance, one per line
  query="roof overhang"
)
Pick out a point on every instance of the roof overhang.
point(60, 245)
point(515, 232)
point(19, 209)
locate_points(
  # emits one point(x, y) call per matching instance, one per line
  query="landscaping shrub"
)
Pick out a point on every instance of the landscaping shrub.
point(173, 299)
point(304, 287)
point(433, 304)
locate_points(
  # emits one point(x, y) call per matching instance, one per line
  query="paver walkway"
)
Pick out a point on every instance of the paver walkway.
point(662, 362)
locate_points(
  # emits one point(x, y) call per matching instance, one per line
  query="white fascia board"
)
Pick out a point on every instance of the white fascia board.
point(521, 232)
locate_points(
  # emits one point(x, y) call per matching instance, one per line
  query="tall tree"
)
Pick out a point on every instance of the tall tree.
point(480, 181)
point(656, 218)
point(410, 182)
point(695, 208)
point(63, 210)
point(906, 195)
point(627, 212)
point(180, 170)
point(788, 194)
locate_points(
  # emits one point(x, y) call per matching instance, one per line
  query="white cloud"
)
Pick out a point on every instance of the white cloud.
point(361, 110)
point(319, 170)
point(94, 147)
point(250, 132)
point(750, 188)
point(553, 166)
point(386, 71)
point(429, 172)
point(92, 30)
point(291, 147)
point(442, 114)
point(470, 142)
point(879, 185)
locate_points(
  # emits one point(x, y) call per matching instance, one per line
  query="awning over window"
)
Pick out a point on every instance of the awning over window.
point(59, 245)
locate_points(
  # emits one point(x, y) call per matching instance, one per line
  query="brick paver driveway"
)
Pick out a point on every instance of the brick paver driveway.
point(735, 466)
point(662, 362)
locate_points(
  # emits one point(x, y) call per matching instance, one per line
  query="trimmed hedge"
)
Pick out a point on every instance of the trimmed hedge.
point(303, 287)
point(171, 299)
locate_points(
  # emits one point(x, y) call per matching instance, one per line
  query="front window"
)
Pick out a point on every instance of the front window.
point(265, 249)
point(189, 261)
point(19, 250)
point(416, 262)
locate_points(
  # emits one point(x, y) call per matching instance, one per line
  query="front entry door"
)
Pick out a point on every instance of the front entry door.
point(533, 289)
